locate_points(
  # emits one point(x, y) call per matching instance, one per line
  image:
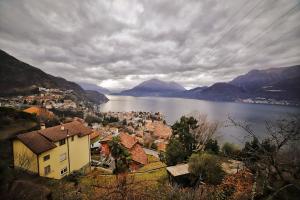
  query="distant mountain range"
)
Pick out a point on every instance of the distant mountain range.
point(94, 87)
point(275, 83)
point(19, 78)
point(154, 87)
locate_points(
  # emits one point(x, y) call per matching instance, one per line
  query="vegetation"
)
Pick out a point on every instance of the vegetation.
point(190, 135)
point(67, 113)
point(175, 153)
point(120, 154)
point(206, 167)
point(231, 150)
point(212, 146)
point(92, 119)
point(274, 159)
point(13, 122)
point(11, 115)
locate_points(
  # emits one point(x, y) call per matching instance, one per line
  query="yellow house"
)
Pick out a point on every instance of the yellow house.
point(54, 152)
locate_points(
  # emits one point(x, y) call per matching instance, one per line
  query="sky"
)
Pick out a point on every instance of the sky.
point(118, 43)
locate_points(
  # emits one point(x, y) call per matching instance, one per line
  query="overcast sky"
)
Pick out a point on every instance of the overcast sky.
point(118, 43)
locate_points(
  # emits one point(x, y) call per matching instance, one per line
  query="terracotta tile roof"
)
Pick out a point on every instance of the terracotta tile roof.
point(161, 146)
point(105, 149)
point(39, 111)
point(159, 129)
point(127, 140)
point(94, 135)
point(138, 154)
point(106, 139)
point(36, 142)
point(70, 129)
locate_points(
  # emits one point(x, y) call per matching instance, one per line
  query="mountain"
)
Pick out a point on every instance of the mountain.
point(281, 84)
point(19, 78)
point(88, 86)
point(274, 83)
point(222, 92)
point(154, 87)
point(257, 79)
point(96, 97)
point(192, 93)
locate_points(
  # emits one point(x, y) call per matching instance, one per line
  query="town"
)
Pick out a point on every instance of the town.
point(59, 138)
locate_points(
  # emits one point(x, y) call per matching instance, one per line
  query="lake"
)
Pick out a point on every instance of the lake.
point(173, 108)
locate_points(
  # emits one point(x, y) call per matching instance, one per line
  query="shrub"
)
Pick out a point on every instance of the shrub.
point(175, 152)
point(154, 146)
point(231, 150)
point(212, 146)
point(206, 167)
point(92, 119)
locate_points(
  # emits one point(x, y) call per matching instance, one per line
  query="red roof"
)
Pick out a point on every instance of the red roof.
point(127, 140)
point(94, 135)
point(137, 152)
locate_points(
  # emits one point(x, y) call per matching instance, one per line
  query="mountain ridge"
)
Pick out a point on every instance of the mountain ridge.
point(153, 87)
point(20, 78)
point(94, 87)
point(273, 83)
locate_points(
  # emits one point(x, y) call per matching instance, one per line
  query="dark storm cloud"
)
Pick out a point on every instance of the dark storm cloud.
point(120, 43)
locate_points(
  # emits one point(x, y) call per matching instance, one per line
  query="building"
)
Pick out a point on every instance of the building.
point(53, 152)
point(138, 155)
point(179, 174)
point(94, 139)
point(40, 112)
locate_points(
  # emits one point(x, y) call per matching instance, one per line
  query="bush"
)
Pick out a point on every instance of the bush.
point(74, 177)
point(231, 150)
point(154, 146)
point(175, 152)
point(212, 146)
point(206, 167)
point(91, 119)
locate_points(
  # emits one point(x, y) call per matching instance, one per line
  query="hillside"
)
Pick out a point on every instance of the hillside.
point(96, 97)
point(274, 83)
point(222, 92)
point(154, 87)
point(94, 87)
point(256, 79)
point(19, 78)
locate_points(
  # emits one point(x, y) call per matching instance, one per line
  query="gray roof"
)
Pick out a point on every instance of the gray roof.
point(178, 170)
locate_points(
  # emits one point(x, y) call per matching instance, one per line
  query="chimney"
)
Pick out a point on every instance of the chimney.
point(62, 128)
point(43, 126)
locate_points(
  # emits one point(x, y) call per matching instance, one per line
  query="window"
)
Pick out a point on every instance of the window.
point(63, 171)
point(47, 157)
point(72, 138)
point(62, 142)
point(62, 157)
point(47, 170)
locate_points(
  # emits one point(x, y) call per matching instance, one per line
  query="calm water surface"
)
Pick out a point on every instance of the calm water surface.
point(174, 108)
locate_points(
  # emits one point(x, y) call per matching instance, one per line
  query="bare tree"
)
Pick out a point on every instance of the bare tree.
point(204, 131)
point(268, 156)
point(23, 160)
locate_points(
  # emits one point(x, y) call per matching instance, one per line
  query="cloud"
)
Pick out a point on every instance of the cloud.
point(119, 43)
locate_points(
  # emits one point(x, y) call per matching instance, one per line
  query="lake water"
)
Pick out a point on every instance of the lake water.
point(174, 108)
